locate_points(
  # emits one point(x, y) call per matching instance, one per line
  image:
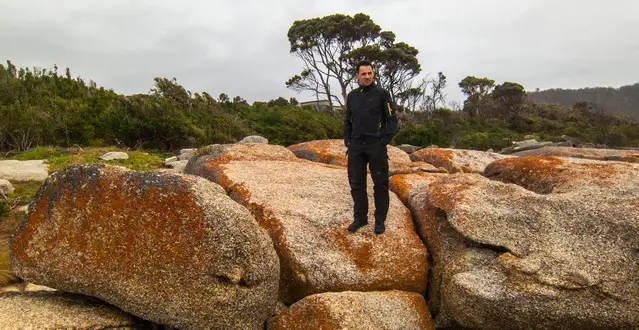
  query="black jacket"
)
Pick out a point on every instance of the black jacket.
point(370, 114)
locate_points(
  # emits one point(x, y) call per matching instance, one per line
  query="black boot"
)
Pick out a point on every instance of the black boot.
point(353, 227)
point(379, 227)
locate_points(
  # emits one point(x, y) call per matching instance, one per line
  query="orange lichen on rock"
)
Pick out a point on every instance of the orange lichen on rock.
point(547, 232)
point(450, 190)
point(406, 185)
point(630, 156)
point(305, 207)
point(436, 156)
point(169, 248)
point(357, 310)
point(456, 160)
point(546, 174)
point(535, 173)
point(399, 184)
point(209, 157)
point(334, 152)
point(91, 209)
point(322, 151)
point(413, 167)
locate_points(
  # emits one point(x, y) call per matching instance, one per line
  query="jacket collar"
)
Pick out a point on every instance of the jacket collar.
point(366, 88)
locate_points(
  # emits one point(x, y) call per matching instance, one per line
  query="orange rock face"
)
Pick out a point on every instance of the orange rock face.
point(61, 310)
point(306, 207)
point(456, 160)
point(553, 233)
point(407, 185)
point(322, 151)
point(630, 156)
point(334, 152)
point(209, 157)
point(357, 310)
point(169, 248)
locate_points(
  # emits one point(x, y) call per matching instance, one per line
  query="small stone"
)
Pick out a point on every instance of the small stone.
point(254, 139)
point(114, 156)
point(6, 187)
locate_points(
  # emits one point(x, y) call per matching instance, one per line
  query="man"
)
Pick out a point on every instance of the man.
point(369, 125)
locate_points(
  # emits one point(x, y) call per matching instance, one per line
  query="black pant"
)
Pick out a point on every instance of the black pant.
point(359, 154)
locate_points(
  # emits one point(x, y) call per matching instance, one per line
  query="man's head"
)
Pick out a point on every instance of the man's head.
point(365, 73)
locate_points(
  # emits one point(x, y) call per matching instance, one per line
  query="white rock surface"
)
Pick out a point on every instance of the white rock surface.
point(6, 187)
point(24, 170)
point(254, 139)
point(114, 156)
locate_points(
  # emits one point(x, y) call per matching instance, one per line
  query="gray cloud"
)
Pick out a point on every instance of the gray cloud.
point(240, 47)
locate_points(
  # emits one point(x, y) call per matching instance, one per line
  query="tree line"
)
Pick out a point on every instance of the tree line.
point(623, 100)
point(45, 107)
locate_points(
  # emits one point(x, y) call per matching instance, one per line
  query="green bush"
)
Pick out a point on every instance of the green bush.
point(418, 135)
point(616, 138)
point(5, 208)
point(24, 191)
point(42, 108)
point(290, 125)
point(37, 153)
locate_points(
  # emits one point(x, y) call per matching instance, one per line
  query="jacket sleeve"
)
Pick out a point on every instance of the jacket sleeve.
point(348, 125)
point(390, 115)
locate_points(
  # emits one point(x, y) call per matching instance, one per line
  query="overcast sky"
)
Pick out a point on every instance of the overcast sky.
point(240, 46)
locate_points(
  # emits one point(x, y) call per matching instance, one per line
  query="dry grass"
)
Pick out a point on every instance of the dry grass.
point(7, 226)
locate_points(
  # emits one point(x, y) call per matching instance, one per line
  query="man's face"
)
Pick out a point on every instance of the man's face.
point(365, 75)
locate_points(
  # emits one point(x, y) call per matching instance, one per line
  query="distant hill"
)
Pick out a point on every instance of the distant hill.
point(616, 100)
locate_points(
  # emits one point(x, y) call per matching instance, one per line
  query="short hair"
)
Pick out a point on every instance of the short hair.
point(363, 63)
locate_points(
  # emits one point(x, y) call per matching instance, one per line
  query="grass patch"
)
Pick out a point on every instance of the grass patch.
point(59, 158)
point(5, 208)
point(138, 160)
point(36, 153)
point(24, 190)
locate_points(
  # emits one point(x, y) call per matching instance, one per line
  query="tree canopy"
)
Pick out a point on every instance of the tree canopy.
point(330, 46)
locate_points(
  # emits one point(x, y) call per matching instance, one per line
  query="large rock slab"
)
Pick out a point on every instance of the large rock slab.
point(207, 158)
point(457, 160)
point(23, 170)
point(334, 152)
point(630, 156)
point(357, 310)
point(168, 248)
point(548, 241)
point(57, 310)
point(414, 167)
point(408, 185)
point(525, 145)
point(306, 207)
